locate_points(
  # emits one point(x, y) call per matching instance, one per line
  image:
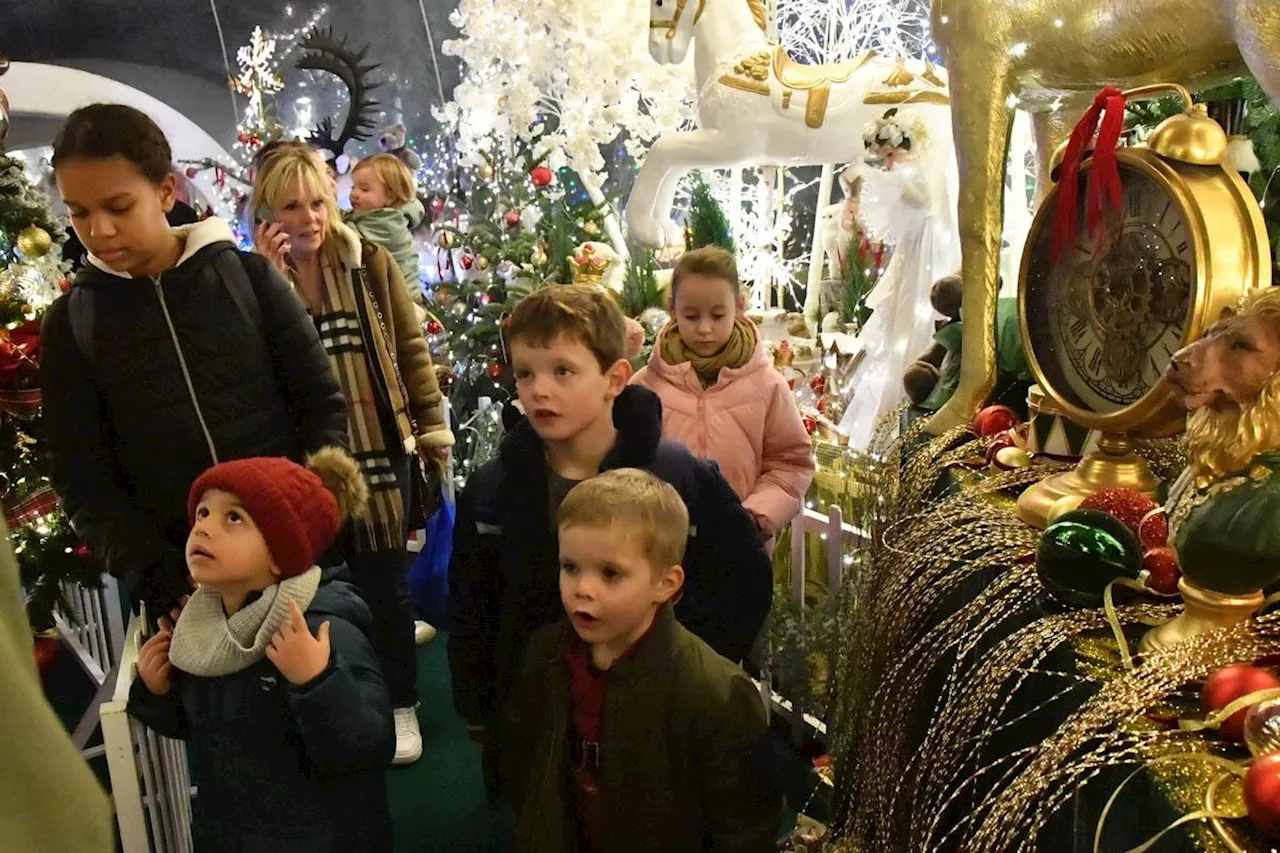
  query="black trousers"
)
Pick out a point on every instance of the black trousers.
point(383, 580)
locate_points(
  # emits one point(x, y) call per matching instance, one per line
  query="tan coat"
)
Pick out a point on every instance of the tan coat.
point(402, 330)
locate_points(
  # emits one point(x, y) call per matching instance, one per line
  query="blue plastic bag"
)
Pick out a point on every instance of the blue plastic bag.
point(429, 574)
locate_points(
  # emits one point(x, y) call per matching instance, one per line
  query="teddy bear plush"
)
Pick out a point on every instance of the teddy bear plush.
point(923, 374)
point(392, 140)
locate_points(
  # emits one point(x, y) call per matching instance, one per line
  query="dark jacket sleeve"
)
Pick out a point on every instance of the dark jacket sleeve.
point(730, 575)
point(162, 714)
point(741, 804)
point(475, 595)
point(344, 714)
point(316, 404)
point(84, 473)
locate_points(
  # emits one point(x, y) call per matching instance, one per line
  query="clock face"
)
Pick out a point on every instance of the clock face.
point(1105, 321)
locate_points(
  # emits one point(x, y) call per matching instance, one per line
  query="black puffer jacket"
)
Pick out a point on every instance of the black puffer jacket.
point(125, 436)
point(285, 769)
point(504, 574)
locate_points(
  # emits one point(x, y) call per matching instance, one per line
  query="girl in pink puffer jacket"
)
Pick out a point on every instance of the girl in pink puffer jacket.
point(721, 396)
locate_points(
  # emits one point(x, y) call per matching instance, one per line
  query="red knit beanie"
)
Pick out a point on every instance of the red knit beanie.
point(297, 514)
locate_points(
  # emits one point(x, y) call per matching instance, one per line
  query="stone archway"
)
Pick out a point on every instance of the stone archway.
point(51, 92)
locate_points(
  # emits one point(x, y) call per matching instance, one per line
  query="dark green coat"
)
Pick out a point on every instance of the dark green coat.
point(681, 767)
point(284, 769)
point(1229, 541)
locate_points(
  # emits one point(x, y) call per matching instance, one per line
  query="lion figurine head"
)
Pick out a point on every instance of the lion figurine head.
point(1229, 381)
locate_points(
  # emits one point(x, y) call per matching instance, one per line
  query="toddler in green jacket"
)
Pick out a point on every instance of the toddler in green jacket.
point(625, 732)
point(385, 210)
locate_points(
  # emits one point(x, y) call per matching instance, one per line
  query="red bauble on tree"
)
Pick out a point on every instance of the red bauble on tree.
point(468, 262)
point(82, 551)
point(512, 219)
point(1229, 684)
point(46, 651)
point(243, 138)
point(994, 419)
point(437, 204)
point(1163, 574)
point(541, 176)
point(192, 171)
point(495, 371)
point(1262, 793)
point(434, 327)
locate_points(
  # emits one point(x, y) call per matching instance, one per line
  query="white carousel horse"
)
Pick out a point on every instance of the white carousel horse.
point(757, 107)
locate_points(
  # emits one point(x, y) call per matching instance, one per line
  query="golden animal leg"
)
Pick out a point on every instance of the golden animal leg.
point(982, 120)
point(1258, 36)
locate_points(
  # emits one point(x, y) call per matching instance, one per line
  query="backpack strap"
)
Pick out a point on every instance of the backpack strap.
point(80, 313)
point(229, 266)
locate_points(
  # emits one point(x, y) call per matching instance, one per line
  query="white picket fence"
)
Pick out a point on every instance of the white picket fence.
point(150, 783)
point(839, 538)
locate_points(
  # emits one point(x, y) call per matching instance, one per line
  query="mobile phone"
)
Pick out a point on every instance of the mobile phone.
point(263, 215)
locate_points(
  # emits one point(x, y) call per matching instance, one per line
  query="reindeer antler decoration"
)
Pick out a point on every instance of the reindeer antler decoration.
point(323, 52)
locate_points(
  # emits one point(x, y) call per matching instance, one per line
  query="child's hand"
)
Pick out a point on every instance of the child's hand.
point(764, 525)
point(299, 656)
point(153, 663)
point(272, 243)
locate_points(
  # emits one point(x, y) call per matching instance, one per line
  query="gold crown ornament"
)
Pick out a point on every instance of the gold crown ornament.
point(588, 266)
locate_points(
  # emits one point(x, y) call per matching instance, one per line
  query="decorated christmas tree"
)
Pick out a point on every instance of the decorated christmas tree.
point(517, 227)
point(31, 277)
point(707, 223)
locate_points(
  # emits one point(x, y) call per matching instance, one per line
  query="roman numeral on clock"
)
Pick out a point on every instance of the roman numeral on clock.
point(1095, 361)
point(1078, 328)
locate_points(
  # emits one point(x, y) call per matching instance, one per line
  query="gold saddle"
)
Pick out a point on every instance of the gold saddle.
point(802, 77)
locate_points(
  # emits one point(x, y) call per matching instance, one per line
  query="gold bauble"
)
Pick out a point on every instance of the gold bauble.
point(482, 262)
point(591, 229)
point(486, 172)
point(1013, 457)
point(539, 257)
point(445, 240)
point(34, 242)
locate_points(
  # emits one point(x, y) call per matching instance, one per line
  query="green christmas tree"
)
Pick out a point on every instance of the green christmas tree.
point(31, 277)
point(521, 223)
point(707, 225)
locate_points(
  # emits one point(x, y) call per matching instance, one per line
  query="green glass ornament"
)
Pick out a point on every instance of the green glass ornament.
point(1082, 552)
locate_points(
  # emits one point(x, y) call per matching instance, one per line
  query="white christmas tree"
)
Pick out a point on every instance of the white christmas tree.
point(574, 74)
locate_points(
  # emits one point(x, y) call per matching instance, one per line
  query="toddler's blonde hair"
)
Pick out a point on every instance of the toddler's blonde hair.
point(393, 174)
point(638, 505)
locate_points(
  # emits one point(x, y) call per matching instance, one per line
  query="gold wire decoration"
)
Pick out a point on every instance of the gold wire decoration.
point(945, 610)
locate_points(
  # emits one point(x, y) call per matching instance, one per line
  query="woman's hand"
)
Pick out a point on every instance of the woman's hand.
point(271, 241)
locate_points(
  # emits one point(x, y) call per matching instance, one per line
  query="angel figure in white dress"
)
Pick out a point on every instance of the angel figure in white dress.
point(909, 204)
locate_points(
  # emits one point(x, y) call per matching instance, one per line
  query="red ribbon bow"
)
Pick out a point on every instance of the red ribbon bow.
point(1106, 116)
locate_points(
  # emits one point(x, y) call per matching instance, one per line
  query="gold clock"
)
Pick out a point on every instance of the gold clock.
point(1101, 325)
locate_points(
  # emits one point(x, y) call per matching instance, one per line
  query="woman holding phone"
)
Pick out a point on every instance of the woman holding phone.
point(357, 299)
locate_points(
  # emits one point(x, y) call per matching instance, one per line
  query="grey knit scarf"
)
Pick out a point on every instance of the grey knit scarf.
point(209, 643)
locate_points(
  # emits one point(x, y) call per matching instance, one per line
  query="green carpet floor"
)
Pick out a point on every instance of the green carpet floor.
point(439, 803)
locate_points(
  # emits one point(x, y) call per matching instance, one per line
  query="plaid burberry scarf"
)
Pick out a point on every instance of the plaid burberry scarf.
point(344, 339)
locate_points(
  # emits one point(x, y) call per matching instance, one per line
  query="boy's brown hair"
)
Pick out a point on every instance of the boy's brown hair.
point(583, 312)
point(395, 176)
point(644, 507)
point(709, 261)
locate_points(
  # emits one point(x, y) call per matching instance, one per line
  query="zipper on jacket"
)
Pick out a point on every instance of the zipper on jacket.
point(186, 374)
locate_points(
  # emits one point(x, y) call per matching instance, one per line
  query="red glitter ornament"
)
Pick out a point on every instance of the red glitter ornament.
point(243, 138)
point(192, 171)
point(468, 262)
point(434, 327)
point(1229, 684)
point(495, 370)
point(1129, 508)
point(541, 176)
point(512, 219)
point(1163, 574)
point(994, 419)
point(819, 384)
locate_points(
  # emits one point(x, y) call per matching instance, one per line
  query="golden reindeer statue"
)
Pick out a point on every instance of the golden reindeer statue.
point(1050, 57)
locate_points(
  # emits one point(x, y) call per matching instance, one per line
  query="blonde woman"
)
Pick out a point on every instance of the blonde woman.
point(356, 296)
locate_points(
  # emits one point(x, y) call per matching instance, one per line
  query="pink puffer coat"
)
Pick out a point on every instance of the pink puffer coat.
point(747, 422)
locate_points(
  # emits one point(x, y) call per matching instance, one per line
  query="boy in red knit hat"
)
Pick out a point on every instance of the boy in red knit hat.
point(268, 670)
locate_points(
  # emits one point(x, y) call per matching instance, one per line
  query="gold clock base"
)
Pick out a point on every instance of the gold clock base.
point(1205, 611)
point(1113, 465)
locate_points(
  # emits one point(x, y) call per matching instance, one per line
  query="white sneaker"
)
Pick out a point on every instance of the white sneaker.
point(423, 633)
point(408, 737)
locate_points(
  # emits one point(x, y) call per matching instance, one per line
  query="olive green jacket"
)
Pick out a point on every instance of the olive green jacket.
point(681, 762)
point(392, 229)
point(49, 800)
